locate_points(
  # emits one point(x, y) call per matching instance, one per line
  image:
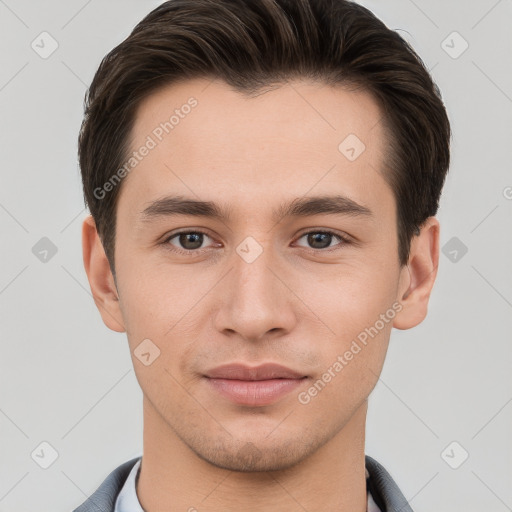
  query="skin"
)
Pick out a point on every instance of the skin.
point(296, 304)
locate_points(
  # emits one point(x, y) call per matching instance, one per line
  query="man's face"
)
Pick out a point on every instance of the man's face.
point(255, 288)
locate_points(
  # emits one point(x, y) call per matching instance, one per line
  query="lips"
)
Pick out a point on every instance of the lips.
point(253, 386)
point(262, 372)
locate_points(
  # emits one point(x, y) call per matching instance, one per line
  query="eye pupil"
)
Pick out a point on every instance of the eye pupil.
point(313, 238)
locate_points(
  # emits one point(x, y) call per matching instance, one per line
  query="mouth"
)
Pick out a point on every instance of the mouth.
point(254, 386)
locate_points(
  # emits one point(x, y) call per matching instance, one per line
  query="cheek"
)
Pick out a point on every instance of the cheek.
point(348, 297)
point(163, 304)
point(357, 304)
point(352, 361)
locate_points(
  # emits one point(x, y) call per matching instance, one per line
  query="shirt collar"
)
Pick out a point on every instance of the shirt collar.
point(128, 501)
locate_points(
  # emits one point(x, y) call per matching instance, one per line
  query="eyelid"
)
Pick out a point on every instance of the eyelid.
point(179, 250)
point(344, 239)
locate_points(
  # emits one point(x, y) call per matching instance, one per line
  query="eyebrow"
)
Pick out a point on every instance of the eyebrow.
point(300, 207)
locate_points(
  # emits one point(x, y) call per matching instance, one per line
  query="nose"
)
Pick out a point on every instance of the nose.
point(256, 300)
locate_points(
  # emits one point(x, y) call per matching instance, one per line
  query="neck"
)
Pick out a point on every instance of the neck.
point(174, 478)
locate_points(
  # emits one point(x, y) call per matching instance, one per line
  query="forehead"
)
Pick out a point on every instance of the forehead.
point(212, 142)
point(313, 113)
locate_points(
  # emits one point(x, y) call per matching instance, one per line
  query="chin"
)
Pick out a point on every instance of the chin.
point(257, 455)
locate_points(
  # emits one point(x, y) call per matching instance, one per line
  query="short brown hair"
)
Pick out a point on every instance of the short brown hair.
point(253, 44)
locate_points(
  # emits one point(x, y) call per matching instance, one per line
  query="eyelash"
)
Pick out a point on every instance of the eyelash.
point(194, 252)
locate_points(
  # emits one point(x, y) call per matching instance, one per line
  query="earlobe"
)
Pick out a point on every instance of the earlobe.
point(418, 277)
point(100, 277)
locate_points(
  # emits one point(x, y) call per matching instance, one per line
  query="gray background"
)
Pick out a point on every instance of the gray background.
point(65, 379)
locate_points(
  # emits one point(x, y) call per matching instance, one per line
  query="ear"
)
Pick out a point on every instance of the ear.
point(418, 276)
point(99, 274)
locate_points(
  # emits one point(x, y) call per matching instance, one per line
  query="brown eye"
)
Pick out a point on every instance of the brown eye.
point(320, 240)
point(187, 240)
